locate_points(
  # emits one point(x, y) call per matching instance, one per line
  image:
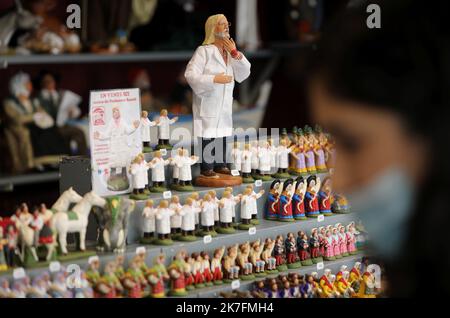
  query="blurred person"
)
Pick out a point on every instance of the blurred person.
point(50, 98)
point(383, 94)
point(140, 78)
point(29, 130)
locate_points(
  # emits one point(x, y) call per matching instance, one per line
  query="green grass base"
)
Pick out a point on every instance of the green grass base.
point(147, 240)
point(205, 233)
point(187, 238)
point(159, 147)
point(262, 274)
point(244, 227)
point(199, 285)
point(247, 277)
point(281, 175)
point(147, 149)
point(338, 256)
point(139, 197)
point(294, 265)
point(272, 272)
point(158, 189)
point(317, 260)
point(345, 255)
point(307, 262)
point(209, 284)
point(180, 188)
point(332, 258)
point(190, 287)
point(303, 218)
point(254, 221)
point(218, 282)
point(164, 242)
point(327, 214)
point(178, 293)
point(282, 268)
point(226, 230)
point(286, 220)
point(248, 180)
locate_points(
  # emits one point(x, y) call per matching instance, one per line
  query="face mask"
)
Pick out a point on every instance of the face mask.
point(384, 207)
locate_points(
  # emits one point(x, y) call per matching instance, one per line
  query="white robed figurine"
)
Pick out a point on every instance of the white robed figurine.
point(185, 165)
point(254, 158)
point(139, 172)
point(246, 206)
point(163, 220)
point(149, 214)
point(246, 156)
point(188, 213)
point(264, 156)
point(163, 124)
point(157, 165)
point(227, 209)
point(236, 157)
point(283, 156)
point(253, 203)
point(175, 163)
point(175, 219)
point(207, 213)
point(145, 128)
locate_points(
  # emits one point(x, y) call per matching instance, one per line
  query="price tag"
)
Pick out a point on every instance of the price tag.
point(93, 259)
point(258, 183)
point(320, 218)
point(235, 284)
point(167, 194)
point(207, 239)
point(163, 152)
point(234, 172)
point(140, 250)
point(54, 267)
point(252, 231)
point(319, 266)
point(19, 273)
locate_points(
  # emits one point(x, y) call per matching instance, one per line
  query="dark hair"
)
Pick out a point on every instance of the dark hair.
point(298, 181)
point(311, 178)
point(287, 183)
point(274, 182)
point(402, 67)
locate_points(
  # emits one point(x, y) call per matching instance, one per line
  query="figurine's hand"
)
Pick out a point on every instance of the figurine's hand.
point(175, 119)
point(223, 79)
point(229, 45)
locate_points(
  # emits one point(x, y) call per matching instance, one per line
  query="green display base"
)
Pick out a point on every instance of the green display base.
point(262, 274)
point(282, 268)
point(158, 189)
point(266, 178)
point(254, 221)
point(226, 230)
point(354, 253)
point(322, 170)
point(147, 240)
point(42, 253)
point(76, 255)
point(227, 281)
point(147, 149)
point(180, 188)
point(257, 176)
point(235, 225)
point(164, 242)
point(199, 285)
point(272, 272)
point(329, 258)
point(147, 191)
point(338, 256)
point(244, 227)
point(178, 293)
point(218, 282)
point(159, 147)
point(187, 238)
point(175, 236)
point(317, 260)
point(118, 184)
point(212, 233)
point(341, 211)
point(190, 287)
point(294, 265)
point(271, 219)
point(286, 220)
point(248, 180)
point(209, 284)
point(303, 218)
point(307, 262)
point(139, 197)
point(281, 175)
point(328, 214)
point(247, 277)
point(345, 254)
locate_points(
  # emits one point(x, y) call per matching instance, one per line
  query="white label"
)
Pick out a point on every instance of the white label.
point(19, 273)
point(252, 231)
point(234, 172)
point(258, 183)
point(235, 284)
point(207, 239)
point(140, 250)
point(319, 266)
point(54, 267)
point(93, 259)
point(320, 218)
point(167, 194)
point(163, 152)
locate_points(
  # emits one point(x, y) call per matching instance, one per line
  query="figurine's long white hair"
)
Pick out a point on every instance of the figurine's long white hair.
point(210, 27)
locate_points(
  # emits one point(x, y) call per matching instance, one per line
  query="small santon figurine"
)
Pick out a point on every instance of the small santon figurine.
point(148, 225)
point(163, 215)
point(188, 214)
point(184, 165)
point(226, 208)
point(285, 202)
point(145, 131)
point(207, 216)
point(231, 270)
point(298, 199)
point(163, 123)
point(291, 251)
point(176, 274)
point(303, 249)
point(272, 201)
point(216, 266)
point(247, 159)
point(139, 174)
point(246, 267)
point(325, 197)
point(279, 254)
point(157, 165)
point(311, 196)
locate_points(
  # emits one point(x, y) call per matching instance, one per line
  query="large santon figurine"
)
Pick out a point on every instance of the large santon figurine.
point(211, 73)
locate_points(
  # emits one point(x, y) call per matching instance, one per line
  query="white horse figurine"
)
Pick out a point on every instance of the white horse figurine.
point(69, 196)
point(25, 240)
point(63, 225)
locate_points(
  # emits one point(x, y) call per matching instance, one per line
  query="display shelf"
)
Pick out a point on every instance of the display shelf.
point(85, 58)
point(334, 266)
point(12, 181)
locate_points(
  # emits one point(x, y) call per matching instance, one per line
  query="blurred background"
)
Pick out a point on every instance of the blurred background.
point(145, 44)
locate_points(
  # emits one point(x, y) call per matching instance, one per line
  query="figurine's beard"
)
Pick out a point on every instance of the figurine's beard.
point(222, 35)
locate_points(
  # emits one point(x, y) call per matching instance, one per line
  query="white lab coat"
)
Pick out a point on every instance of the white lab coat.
point(148, 225)
point(246, 202)
point(139, 174)
point(117, 134)
point(216, 209)
point(175, 219)
point(198, 208)
point(157, 165)
point(164, 127)
point(246, 161)
point(174, 164)
point(207, 213)
point(163, 220)
point(184, 164)
point(226, 212)
point(255, 158)
point(212, 103)
point(253, 202)
point(188, 214)
point(273, 157)
point(283, 157)
point(236, 156)
point(145, 129)
point(264, 159)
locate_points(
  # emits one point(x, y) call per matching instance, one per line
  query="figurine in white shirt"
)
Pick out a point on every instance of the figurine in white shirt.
point(175, 166)
point(237, 199)
point(273, 155)
point(36, 223)
point(264, 157)
point(207, 215)
point(157, 165)
point(163, 215)
point(283, 152)
point(175, 219)
point(145, 131)
point(236, 157)
point(148, 224)
point(254, 159)
point(139, 174)
point(195, 196)
point(163, 124)
point(215, 201)
point(185, 165)
point(188, 213)
point(246, 160)
point(227, 207)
